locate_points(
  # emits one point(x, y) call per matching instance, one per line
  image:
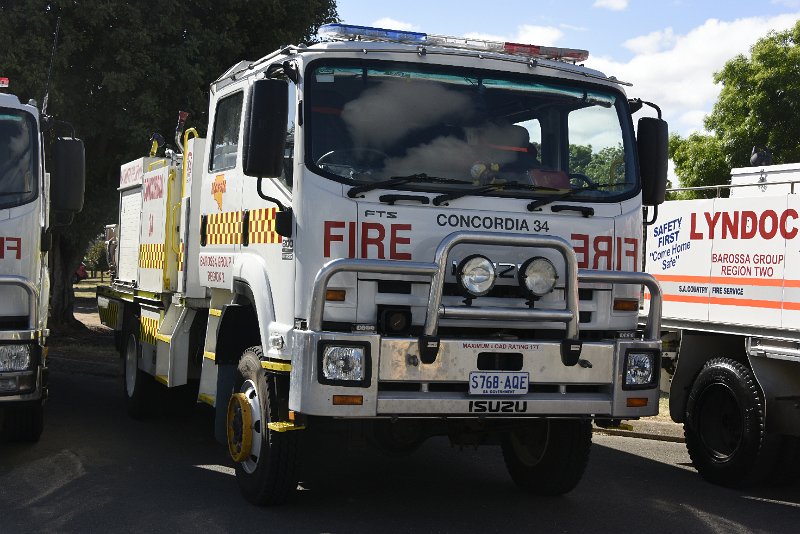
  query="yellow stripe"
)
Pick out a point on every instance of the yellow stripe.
point(162, 379)
point(284, 426)
point(275, 366)
point(208, 399)
point(215, 312)
point(164, 337)
point(209, 355)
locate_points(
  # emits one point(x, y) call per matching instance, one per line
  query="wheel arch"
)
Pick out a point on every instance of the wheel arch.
point(245, 322)
point(695, 349)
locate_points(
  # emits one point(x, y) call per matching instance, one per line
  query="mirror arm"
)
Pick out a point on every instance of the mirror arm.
point(637, 103)
point(655, 216)
point(269, 198)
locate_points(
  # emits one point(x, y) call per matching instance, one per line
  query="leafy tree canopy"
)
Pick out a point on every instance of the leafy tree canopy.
point(758, 105)
point(123, 69)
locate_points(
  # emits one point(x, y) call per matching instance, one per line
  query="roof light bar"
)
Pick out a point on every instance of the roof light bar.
point(350, 32)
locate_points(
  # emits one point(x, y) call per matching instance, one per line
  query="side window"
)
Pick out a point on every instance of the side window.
point(288, 151)
point(225, 143)
point(595, 146)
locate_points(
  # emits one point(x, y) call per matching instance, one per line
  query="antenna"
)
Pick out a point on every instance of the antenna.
point(50, 67)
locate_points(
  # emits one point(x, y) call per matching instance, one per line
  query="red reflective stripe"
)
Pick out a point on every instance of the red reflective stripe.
point(511, 148)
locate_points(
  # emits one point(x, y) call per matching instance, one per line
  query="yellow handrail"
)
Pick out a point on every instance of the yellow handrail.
point(169, 226)
point(159, 162)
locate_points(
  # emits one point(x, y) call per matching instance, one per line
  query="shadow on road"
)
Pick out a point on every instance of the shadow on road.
point(95, 469)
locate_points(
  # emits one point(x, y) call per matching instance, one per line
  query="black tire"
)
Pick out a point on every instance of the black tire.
point(137, 385)
point(24, 422)
point(548, 457)
point(724, 424)
point(267, 477)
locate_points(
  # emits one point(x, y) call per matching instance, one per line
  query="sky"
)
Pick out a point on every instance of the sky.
point(668, 49)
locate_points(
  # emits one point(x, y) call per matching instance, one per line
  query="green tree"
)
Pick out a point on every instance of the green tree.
point(579, 158)
point(122, 70)
point(96, 259)
point(758, 105)
point(699, 161)
point(607, 166)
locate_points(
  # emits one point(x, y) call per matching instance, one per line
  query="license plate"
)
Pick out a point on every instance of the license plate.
point(498, 383)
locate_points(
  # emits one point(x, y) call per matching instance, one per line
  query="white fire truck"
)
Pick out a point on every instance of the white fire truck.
point(730, 269)
point(419, 234)
point(28, 195)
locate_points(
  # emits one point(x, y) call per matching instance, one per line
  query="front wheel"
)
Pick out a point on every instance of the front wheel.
point(265, 458)
point(24, 422)
point(724, 424)
point(548, 457)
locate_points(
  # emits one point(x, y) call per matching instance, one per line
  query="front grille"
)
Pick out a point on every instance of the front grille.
point(463, 387)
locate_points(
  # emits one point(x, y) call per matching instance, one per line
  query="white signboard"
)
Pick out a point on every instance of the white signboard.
point(216, 270)
point(725, 260)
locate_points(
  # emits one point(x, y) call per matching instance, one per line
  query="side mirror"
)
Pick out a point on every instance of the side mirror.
point(68, 176)
point(653, 145)
point(265, 128)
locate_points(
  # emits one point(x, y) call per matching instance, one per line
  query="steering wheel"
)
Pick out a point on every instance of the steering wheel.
point(583, 179)
point(350, 161)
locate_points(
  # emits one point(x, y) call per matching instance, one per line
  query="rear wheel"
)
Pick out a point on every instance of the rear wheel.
point(265, 459)
point(724, 424)
point(138, 385)
point(24, 422)
point(548, 457)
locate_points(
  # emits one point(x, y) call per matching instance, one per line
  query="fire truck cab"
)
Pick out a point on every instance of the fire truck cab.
point(29, 194)
point(422, 234)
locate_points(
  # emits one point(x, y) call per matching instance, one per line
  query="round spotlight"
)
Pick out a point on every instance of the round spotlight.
point(476, 275)
point(538, 276)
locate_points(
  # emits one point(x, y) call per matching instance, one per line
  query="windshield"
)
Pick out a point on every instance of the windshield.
point(374, 121)
point(18, 157)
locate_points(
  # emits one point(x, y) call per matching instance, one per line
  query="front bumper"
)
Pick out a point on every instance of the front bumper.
point(402, 386)
point(428, 377)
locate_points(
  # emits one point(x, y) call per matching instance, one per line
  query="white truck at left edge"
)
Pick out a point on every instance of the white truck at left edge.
point(29, 192)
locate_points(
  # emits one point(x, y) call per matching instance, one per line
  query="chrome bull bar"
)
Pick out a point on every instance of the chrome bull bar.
point(33, 309)
point(438, 268)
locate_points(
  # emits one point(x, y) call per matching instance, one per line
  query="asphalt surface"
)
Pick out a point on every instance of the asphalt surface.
point(96, 470)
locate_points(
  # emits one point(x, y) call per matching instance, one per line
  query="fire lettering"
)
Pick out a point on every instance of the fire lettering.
point(597, 252)
point(12, 245)
point(369, 239)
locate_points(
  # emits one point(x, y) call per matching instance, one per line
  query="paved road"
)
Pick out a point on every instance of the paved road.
point(95, 470)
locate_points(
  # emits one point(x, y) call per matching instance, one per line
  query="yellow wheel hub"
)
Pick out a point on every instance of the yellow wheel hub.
point(240, 427)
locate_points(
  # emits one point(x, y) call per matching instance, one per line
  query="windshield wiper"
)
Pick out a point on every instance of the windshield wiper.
point(437, 201)
point(400, 180)
point(539, 202)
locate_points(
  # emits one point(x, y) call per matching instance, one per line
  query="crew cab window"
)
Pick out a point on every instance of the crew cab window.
point(227, 123)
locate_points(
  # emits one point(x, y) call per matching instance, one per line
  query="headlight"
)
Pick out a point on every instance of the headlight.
point(345, 363)
point(476, 275)
point(640, 369)
point(538, 276)
point(15, 357)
